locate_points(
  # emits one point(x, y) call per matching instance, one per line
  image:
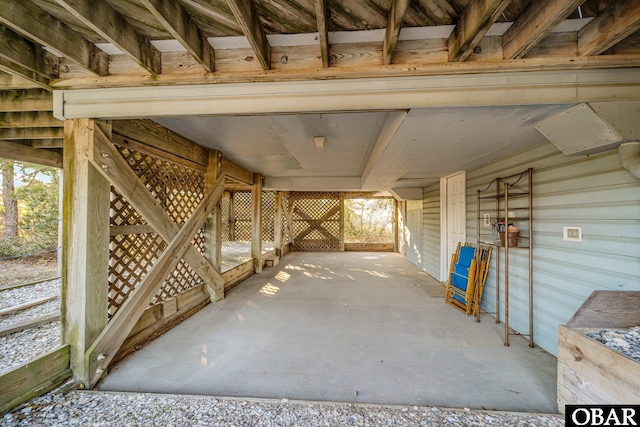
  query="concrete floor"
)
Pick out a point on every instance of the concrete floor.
point(348, 327)
point(238, 252)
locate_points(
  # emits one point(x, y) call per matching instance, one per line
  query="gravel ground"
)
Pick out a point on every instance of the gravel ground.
point(20, 347)
point(113, 409)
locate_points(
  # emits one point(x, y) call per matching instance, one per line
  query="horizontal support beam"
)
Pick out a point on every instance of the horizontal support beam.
point(11, 81)
point(23, 153)
point(32, 133)
point(237, 172)
point(46, 143)
point(312, 184)
point(364, 94)
point(31, 119)
point(12, 101)
point(157, 136)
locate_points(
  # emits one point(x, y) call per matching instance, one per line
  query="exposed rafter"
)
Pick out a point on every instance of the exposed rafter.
point(17, 49)
point(24, 153)
point(175, 19)
point(608, 28)
point(32, 133)
point(397, 13)
point(104, 20)
point(534, 24)
point(24, 73)
point(476, 20)
point(25, 100)
point(12, 81)
point(31, 119)
point(323, 30)
point(26, 18)
point(247, 18)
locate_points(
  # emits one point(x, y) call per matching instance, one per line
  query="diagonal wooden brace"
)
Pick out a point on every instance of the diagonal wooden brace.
point(316, 224)
point(114, 334)
point(108, 161)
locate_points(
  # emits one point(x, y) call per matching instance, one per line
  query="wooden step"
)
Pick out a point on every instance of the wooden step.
point(273, 261)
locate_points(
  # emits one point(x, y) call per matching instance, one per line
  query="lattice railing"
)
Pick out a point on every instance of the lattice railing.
point(317, 221)
point(268, 215)
point(225, 204)
point(242, 215)
point(179, 190)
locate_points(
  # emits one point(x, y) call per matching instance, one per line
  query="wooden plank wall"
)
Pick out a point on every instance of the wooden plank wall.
point(592, 192)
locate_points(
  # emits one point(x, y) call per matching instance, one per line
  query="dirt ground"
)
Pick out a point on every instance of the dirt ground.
point(27, 270)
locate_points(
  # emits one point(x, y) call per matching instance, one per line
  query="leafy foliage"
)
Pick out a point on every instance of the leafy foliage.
point(37, 195)
point(368, 220)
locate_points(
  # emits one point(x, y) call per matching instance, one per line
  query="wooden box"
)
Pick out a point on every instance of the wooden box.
point(589, 372)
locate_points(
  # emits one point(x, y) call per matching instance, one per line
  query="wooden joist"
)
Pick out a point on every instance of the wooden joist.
point(24, 73)
point(12, 101)
point(175, 19)
point(323, 30)
point(9, 81)
point(46, 143)
point(23, 153)
point(476, 20)
point(114, 334)
point(113, 27)
point(397, 13)
point(534, 24)
point(25, 18)
point(30, 119)
point(247, 18)
point(614, 24)
point(20, 51)
point(237, 172)
point(157, 140)
point(32, 133)
point(108, 161)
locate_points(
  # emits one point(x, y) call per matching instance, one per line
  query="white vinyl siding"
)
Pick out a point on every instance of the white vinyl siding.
point(592, 192)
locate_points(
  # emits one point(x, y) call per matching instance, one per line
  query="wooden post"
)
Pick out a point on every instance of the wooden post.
point(256, 223)
point(395, 226)
point(213, 226)
point(232, 217)
point(85, 253)
point(277, 224)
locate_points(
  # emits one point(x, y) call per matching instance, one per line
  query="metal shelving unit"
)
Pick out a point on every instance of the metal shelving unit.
point(497, 200)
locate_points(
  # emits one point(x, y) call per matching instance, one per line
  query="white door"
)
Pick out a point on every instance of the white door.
point(453, 215)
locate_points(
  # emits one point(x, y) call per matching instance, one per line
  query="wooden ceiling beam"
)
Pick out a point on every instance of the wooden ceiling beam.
point(23, 153)
point(247, 17)
point(160, 139)
point(26, 18)
point(397, 14)
point(30, 119)
point(47, 143)
point(323, 30)
point(177, 21)
point(17, 49)
point(25, 100)
point(611, 26)
point(113, 27)
point(9, 81)
point(476, 20)
point(534, 24)
point(24, 73)
point(32, 133)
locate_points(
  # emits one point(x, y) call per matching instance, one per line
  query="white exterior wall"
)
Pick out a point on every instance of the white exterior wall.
point(413, 233)
point(431, 230)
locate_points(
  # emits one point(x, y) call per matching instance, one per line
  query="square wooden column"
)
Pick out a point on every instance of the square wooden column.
point(277, 224)
point(213, 226)
point(85, 245)
point(256, 222)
